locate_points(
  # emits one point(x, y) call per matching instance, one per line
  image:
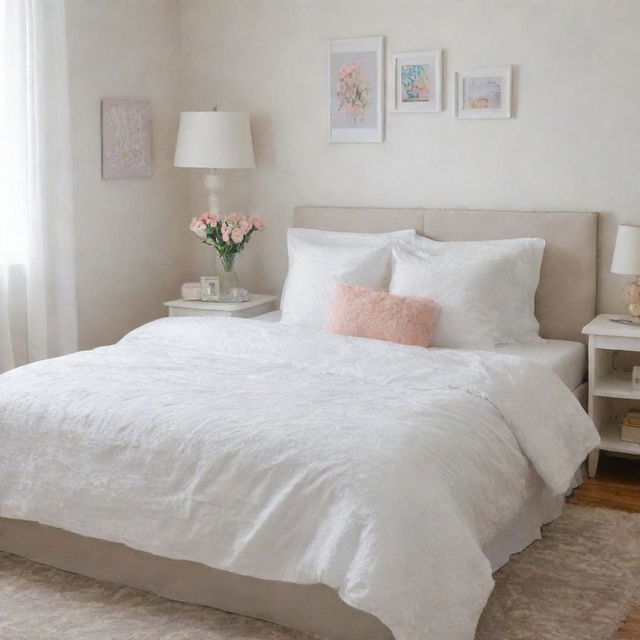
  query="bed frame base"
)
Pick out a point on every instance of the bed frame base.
point(314, 608)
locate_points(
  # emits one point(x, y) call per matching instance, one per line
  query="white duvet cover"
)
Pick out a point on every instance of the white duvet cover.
point(281, 453)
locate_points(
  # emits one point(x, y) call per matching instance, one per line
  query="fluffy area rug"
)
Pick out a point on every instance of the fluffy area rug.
point(578, 583)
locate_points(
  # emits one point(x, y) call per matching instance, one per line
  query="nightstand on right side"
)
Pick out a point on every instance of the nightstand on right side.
point(610, 389)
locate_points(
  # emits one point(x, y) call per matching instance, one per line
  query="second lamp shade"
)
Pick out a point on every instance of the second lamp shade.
point(626, 256)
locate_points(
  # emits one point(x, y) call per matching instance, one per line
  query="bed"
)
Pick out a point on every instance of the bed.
point(312, 519)
point(566, 358)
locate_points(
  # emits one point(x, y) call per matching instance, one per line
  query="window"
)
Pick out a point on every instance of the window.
point(13, 133)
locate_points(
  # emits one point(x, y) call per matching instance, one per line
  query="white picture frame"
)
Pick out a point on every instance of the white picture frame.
point(210, 286)
point(484, 92)
point(416, 81)
point(356, 89)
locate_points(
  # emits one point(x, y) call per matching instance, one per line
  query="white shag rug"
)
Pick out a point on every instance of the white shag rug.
point(578, 583)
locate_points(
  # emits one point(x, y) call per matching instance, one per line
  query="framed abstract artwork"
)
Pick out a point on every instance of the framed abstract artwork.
point(126, 138)
point(484, 93)
point(356, 87)
point(417, 81)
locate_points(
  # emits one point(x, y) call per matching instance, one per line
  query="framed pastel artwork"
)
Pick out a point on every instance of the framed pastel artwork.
point(484, 93)
point(126, 138)
point(356, 86)
point(417, 81)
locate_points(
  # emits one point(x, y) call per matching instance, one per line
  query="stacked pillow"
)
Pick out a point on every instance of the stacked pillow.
point(320, 260)
point(484, 291)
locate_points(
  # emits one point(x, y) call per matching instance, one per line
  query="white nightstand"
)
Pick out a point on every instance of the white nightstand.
point(257, 305)
point(610, 392)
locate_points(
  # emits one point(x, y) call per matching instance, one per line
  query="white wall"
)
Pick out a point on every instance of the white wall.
point(131, 241)
point(574, 143)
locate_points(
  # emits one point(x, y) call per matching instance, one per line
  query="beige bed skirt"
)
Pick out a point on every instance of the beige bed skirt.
point(315, 608)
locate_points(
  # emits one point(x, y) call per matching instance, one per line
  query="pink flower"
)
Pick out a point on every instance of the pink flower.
point(353, 91)
point(198, 227)
point(210, 218)
point(258, 223)
point(233, 228)
point(234, 219)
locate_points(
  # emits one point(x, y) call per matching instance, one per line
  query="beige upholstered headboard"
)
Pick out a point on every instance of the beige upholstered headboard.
point(566, 298)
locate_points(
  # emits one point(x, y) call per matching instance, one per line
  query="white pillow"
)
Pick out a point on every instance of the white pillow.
point(319, 260)
point(517, 322)
point(469, 291)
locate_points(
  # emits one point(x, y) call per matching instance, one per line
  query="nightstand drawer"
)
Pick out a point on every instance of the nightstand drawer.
point(176, 312)
point(622, 343)
point(256, 306)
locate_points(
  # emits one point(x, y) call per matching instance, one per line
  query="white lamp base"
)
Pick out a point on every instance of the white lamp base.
point(214, 184)
point(631, 297)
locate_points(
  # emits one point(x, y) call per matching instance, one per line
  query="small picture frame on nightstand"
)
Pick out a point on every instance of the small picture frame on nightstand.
point(210, 288)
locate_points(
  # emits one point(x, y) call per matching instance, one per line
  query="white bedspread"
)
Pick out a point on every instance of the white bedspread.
point(285, 454)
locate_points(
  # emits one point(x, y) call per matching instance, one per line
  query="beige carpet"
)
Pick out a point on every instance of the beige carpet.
point(578, 583)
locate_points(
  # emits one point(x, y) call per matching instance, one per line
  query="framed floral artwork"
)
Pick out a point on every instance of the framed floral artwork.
point(356, 86)
point(417, 81)
point(484, 93)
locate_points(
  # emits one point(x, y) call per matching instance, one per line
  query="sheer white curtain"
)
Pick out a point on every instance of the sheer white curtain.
point(36, 214)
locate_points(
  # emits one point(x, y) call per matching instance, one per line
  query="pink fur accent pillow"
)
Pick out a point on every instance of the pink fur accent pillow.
point(363, 312)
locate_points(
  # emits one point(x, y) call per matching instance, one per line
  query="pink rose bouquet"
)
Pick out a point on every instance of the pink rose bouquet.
point(228, 235)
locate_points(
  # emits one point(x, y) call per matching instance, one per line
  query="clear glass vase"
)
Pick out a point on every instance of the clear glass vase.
point(230, 288)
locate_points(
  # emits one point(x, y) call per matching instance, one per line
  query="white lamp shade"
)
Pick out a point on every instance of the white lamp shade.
point(626, 256)
point(214, 140)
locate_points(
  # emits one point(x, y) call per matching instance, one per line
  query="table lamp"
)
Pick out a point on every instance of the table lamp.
point(626, 260)
point(214, 140)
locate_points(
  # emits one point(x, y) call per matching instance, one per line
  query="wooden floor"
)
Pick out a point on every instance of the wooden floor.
point(617, 486)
